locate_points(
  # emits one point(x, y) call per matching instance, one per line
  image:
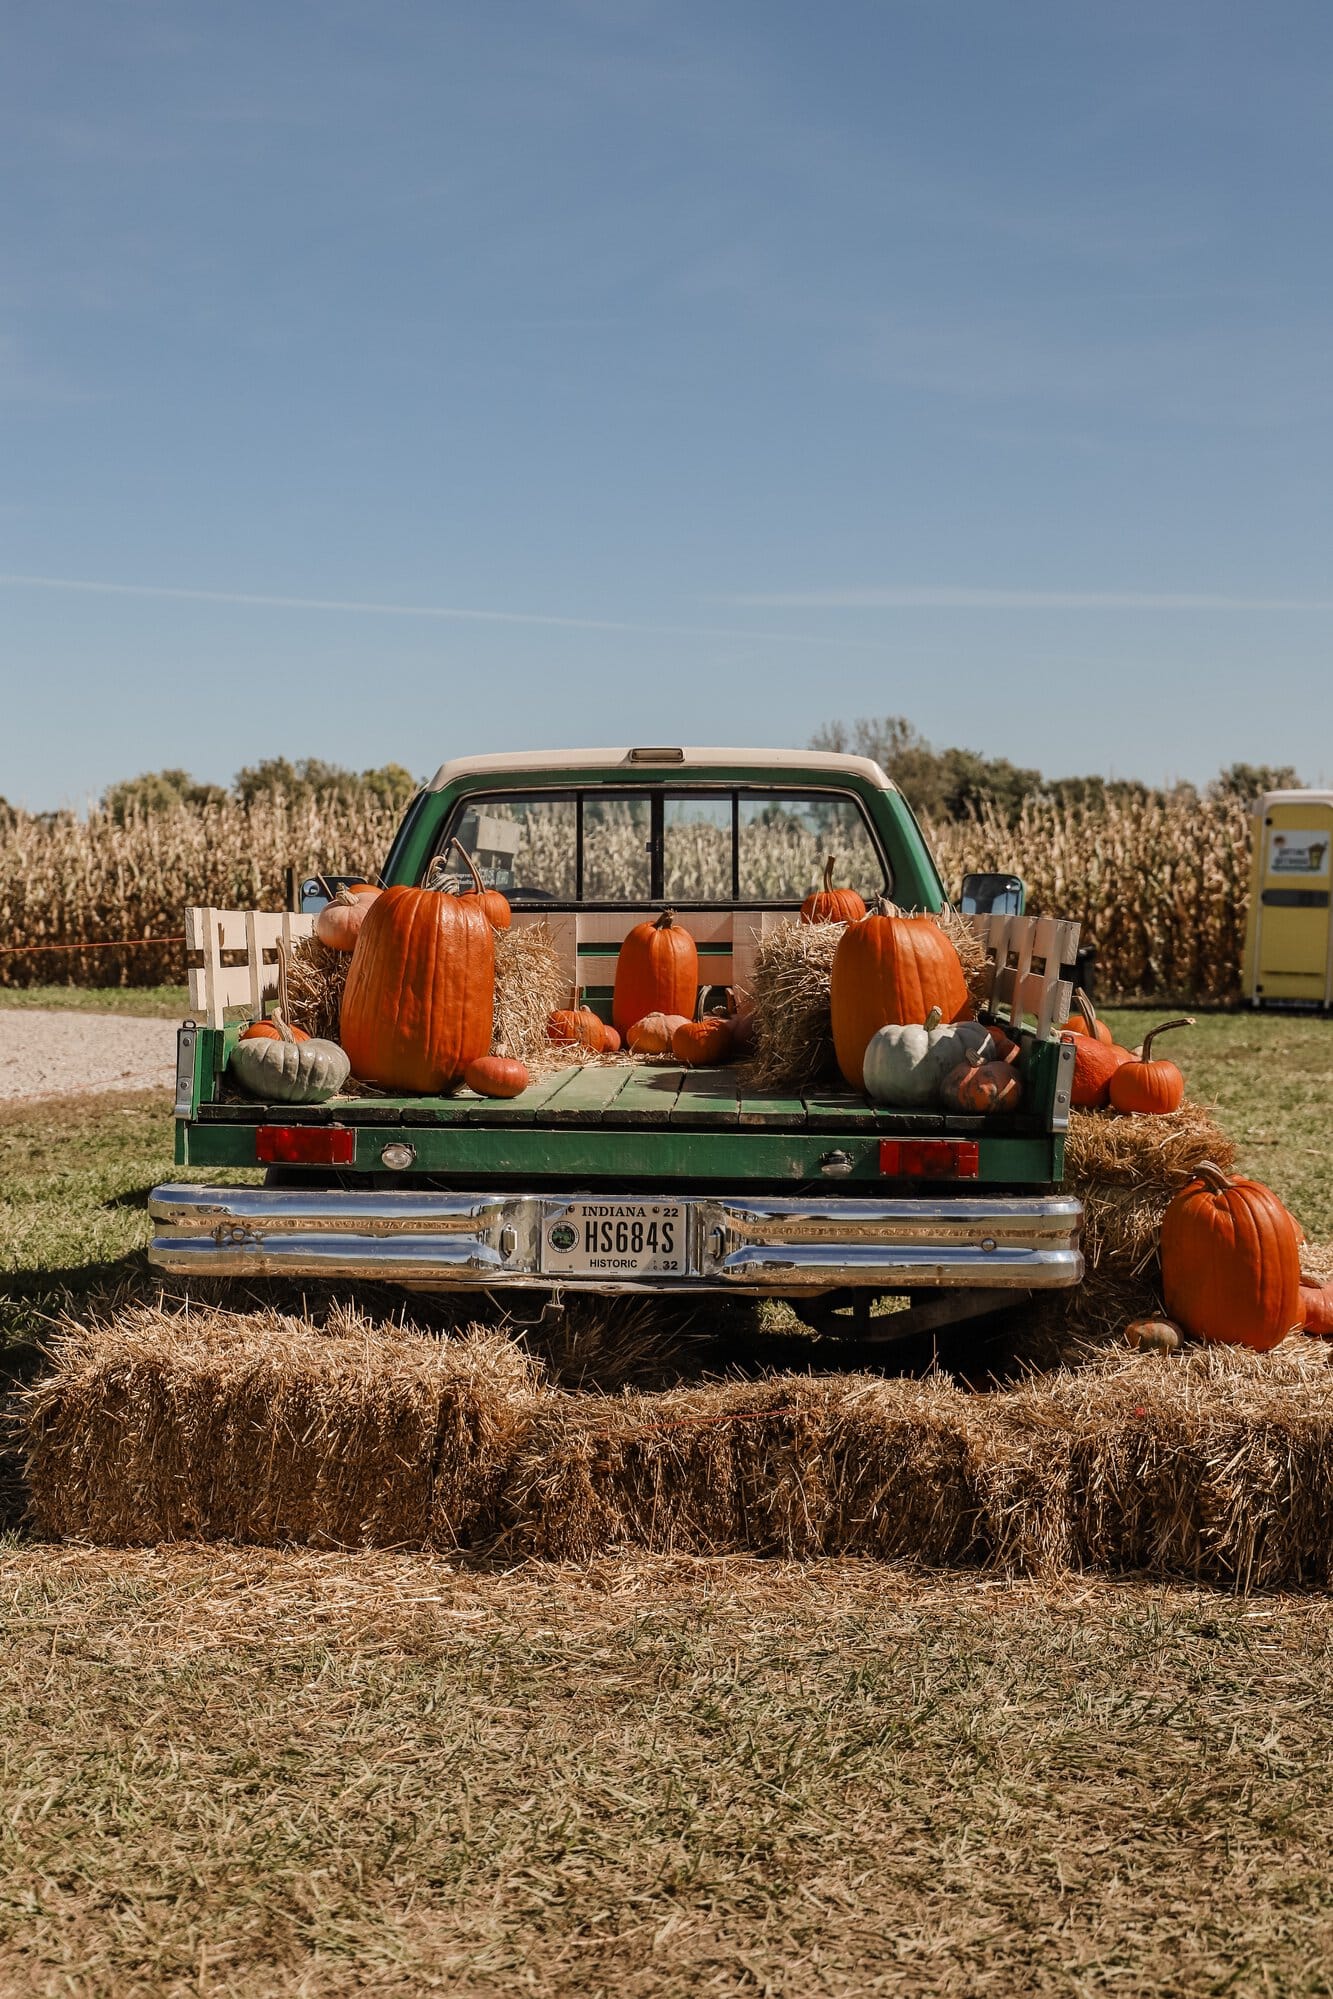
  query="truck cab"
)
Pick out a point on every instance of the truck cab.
point(633, 1176)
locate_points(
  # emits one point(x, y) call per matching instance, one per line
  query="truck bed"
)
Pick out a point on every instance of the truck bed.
point(624, 1124)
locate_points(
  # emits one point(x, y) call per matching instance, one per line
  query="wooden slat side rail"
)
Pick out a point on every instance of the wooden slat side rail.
point(232, 957)
point(1025, 955)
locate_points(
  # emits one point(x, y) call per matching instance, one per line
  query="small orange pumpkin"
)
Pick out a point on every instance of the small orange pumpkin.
point(1231, 1267)
point(1083, 1020)
point(610, 1039)
point(652, 1035)
point(981, 1089)
point(269, 1030)
point(498, 1075)
point(832, 905)
point(1153, 1089)
point(1094, 1065)
point(707, 1038)
point(498, 913)
point(571, 1026)
point(339, 922)
point(1316, 1308)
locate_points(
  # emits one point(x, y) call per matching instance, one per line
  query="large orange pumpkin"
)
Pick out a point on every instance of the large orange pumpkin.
point(889, 971)
point(419, 998)
point(1231, 1265)
point(832, 905)
point(657, 972)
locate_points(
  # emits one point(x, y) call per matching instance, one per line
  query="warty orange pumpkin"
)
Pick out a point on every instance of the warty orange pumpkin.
point(419, 1000)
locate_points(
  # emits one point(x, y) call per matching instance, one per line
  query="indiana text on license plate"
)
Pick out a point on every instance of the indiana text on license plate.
point(615, 1239)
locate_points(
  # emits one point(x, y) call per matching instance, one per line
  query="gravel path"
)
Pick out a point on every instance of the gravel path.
point(60, 1054)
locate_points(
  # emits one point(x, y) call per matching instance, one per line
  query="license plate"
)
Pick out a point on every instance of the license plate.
point(615, 1239)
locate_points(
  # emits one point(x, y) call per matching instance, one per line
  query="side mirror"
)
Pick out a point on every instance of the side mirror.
point(992, 895)
point(317, 891)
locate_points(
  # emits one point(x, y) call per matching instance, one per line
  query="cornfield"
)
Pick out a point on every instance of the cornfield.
point(1160, 888)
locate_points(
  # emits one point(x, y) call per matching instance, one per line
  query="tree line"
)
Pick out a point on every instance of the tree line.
point(955, 783)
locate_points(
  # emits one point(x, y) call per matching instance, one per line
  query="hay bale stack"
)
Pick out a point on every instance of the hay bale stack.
point(175, 1425)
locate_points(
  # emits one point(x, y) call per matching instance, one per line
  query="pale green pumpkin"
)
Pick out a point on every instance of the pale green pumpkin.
point(288, 1071)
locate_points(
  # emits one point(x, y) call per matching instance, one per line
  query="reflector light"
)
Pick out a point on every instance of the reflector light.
point(305, 1145)
point(929, 1158)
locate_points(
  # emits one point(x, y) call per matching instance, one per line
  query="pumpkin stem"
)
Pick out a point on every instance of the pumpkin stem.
point(1083, 1005)
point(1212, 1176)
point(284, 1031)
point(933, 1019)
point(1186, 1020)
point(478, 884)
point(828, 874)
point(882, 906)
point(665, 920)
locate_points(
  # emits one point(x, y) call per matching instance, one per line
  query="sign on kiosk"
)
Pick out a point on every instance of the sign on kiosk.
point(1289, 935)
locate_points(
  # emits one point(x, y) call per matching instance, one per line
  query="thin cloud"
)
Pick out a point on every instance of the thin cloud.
point(449, 613)
point(950, 597)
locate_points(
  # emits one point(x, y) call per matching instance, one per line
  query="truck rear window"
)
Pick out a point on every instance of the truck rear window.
point(681, 846)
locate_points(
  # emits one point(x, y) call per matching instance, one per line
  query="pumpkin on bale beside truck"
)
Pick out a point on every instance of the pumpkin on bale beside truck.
point(924, 1161)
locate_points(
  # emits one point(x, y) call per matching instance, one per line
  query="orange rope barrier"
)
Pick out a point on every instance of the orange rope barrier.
point(101, 944)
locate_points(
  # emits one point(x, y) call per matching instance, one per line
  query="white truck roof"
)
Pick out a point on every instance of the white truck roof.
point(682, 763)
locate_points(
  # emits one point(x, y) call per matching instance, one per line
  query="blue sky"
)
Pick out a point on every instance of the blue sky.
point(425, 378)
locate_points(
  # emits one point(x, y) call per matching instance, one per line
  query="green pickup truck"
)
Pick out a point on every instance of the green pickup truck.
point(645, 1177)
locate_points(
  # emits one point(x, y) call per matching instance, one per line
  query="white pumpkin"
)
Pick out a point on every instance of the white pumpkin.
point(905, 1066)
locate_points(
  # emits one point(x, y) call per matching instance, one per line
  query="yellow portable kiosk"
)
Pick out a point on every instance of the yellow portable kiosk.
point(1289, 936)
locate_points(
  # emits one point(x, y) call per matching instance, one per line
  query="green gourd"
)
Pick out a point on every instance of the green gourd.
point(288, 1071)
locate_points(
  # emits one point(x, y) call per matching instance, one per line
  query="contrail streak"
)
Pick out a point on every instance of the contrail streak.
point(958, 598)
point(450, 613)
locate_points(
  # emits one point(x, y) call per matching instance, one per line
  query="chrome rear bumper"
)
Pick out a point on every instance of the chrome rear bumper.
point(437, 1241)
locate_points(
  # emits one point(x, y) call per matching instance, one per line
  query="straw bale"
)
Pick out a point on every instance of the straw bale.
point(210, 1425)
point(793, 1030)
point(971, 953)
point(530, 983)
point(699, 1470)
point(315, 977)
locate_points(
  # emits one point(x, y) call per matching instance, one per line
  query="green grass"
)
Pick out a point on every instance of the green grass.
point(153, 1002)
point(75, 1174)
point(1270, 1077)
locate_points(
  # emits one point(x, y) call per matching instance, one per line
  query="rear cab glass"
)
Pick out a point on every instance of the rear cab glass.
point(688, 846)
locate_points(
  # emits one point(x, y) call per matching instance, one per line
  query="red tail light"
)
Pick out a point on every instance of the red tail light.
point(929, 1158)
point(304, 1145)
